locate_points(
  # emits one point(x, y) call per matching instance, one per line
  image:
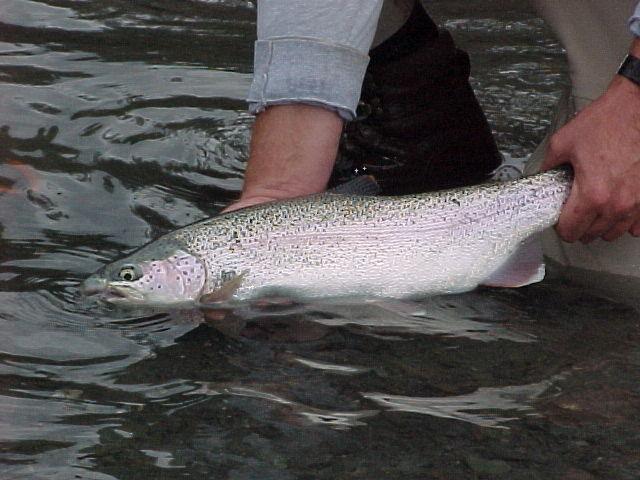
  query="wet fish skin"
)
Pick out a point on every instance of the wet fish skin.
point(341, 245)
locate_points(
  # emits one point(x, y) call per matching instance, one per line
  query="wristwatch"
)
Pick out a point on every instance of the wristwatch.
point(630, 69)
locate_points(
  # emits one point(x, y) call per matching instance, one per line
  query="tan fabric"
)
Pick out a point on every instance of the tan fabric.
point(596, 37)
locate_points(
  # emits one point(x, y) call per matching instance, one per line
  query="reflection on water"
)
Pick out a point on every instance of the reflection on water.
point(511, 398)
point(120, 121)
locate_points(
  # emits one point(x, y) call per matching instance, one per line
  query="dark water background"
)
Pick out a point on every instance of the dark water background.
point(122, 120)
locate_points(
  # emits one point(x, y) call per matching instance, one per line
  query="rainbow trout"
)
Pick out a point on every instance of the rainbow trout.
point(332, 245)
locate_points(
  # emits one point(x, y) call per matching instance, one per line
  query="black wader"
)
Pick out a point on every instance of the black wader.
point(419, 125)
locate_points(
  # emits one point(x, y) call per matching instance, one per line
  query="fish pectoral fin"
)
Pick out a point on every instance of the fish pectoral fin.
point(226, 290)
point(524, 267)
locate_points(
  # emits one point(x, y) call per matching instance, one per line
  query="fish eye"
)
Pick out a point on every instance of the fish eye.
point(129, 273)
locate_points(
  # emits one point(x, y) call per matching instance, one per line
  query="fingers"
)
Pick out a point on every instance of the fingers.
point(600, 226)
point(556, 153)
point(597, 210)
point(625, 221)
point(576, 218)
point(594, 227)
point(606, 222)
point(623, 212)
point(599, 213)
point(619, 229)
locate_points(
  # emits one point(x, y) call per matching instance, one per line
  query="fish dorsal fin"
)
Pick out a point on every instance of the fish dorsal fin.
point(362, 185)
point(226, 290)
point(524, 267)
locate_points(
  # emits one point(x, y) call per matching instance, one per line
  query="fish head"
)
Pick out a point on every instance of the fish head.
point(151, 276)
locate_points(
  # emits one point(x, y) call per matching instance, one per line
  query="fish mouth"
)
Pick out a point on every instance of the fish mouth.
point(110, 292)
point(122, 294)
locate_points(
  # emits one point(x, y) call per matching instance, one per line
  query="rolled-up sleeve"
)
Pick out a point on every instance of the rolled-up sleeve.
point(312, 52)
point(634, 21)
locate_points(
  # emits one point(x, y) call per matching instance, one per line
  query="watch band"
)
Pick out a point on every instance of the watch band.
point(630, 69)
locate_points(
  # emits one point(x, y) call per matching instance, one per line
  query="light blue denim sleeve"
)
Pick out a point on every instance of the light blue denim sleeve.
point(634, 21)
point(313, 52)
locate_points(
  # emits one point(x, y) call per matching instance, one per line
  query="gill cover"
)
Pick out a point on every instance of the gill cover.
point(179, 277)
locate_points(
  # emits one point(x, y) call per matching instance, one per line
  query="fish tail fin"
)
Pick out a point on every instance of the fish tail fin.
point(524, 267)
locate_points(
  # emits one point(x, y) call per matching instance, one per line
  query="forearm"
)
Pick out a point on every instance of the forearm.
point(293, 150)
point(310, 60)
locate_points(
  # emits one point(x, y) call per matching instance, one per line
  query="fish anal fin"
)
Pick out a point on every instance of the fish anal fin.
point(226, 290)
point(524, 267)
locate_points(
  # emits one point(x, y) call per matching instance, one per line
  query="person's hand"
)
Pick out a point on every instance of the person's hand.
point(602, 143)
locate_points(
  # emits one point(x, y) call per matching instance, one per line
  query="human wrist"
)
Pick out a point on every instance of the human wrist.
point(624, 101)
point(627, 80)
point(630, 69)
point(293, 150)
point(630, 66)
point(624, 91)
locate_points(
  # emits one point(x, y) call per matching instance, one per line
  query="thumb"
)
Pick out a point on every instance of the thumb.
point(555, 153)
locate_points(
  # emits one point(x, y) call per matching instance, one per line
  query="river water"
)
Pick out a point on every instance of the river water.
point(122, 120)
